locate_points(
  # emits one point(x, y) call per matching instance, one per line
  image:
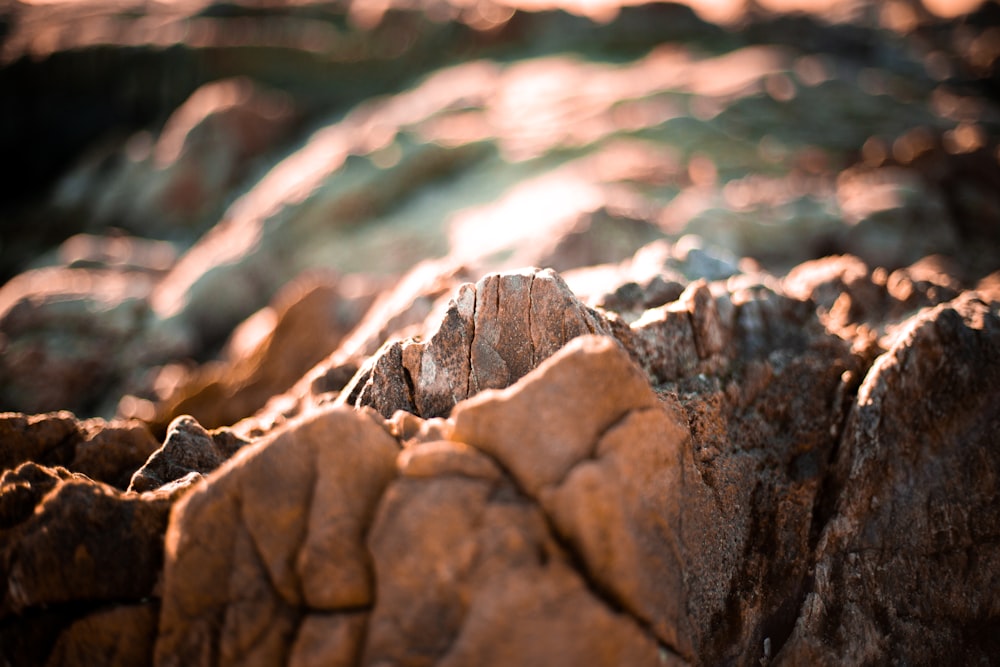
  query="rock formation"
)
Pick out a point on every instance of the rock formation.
point(587, 348)
point(708, 483)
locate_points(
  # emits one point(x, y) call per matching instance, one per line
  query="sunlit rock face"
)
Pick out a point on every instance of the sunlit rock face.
point(506, 333)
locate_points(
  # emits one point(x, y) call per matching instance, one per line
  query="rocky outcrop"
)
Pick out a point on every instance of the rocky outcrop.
point(738, 411)
point(275, 540)
point(699, 483)
point(668, 518)
point(905, 565)
point(105, 451)
point(81, 562)
point(491, 335)
point(188, 449)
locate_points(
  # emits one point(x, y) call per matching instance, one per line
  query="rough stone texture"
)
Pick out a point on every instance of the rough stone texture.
point(906, 567)
point(761, 439)
point(275, 538)
point(776, 449)
point(555, 456)
point(468, 572)
point(511, 423)
point(85, 541)
point(108, 452)
point(697, 485)
point(188, 448)
point(492, 334)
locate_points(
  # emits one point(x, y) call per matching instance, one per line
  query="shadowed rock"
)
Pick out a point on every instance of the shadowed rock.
point(906, 566)
point(119, 636)
point(84, 542)
point(109, 452)
point(188, 448)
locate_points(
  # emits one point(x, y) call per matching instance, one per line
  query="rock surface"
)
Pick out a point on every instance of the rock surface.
point(907, 560)
point(277, 538)
point(104, 451)
point(738, 410)
point(703, 485)
point(188, 449)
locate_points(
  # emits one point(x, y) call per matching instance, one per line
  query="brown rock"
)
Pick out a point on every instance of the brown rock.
point(328, 640)
point(188, 448)
point(22, 490)
point(665, 520)
point(42, 438)
point(467, 572)
point(906, 565)
point(275, 536)
point(396, 313)
point(608, 507)
point(847, 294)
point(672, 524)
point(271, 350)
point(118, 636)
point(84, 542)
point(492, 334)
point(662, 340)
point(105, 451)
point(111, 451)
point(539, 440)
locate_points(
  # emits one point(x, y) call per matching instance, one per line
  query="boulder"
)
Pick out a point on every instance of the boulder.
point(467, 572)
point(269, 553)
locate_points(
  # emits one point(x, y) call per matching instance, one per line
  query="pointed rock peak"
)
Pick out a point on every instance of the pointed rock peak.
point(492, 334)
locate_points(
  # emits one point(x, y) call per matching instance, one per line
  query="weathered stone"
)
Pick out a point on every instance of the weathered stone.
point(704, 482)
point(118, 636)
point(23, 489)
point(329, 640)
point(105, 451)
point(188, 448)
point(608, 507)
point(42, 438)
point(539, 444)
point(111, 451)
point(276, 534)
point(467, 572)
point(493, 333)
point(906, 565)
point(84, 542)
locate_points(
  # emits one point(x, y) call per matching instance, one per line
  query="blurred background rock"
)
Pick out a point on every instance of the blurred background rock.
point(171, 166)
